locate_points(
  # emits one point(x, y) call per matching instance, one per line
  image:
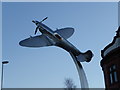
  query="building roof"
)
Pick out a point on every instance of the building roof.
point(113, 45)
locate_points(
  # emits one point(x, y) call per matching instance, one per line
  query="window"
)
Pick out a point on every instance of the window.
point(113, 74)
point(112, 68)
point(111, 79)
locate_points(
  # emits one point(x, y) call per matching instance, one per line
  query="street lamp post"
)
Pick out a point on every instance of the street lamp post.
point(4, 62)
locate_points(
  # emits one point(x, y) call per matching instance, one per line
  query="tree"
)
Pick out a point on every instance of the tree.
point(69, 84)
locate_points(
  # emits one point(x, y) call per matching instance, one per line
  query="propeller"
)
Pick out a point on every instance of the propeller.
point(36, 30)
point(36, 22)
point(44, 19)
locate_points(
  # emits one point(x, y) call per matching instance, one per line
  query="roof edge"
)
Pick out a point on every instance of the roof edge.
point(109, 45)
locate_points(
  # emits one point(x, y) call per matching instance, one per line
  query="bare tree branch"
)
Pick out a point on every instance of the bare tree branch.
point(69, 84)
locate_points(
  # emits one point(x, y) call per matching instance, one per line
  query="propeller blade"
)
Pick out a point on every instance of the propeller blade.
point(33, 21)
point(44, 19)
point(36, 29)
point(36, 22)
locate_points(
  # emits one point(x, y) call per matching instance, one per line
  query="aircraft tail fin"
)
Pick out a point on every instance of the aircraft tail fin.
point(87, 56)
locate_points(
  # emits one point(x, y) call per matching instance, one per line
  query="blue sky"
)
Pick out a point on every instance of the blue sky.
point(95, 24)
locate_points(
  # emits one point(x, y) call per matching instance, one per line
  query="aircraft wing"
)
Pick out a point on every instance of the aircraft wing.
point(36, 41)
point(65, 32)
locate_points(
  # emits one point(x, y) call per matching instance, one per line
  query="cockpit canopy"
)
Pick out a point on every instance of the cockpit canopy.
point(58, 36)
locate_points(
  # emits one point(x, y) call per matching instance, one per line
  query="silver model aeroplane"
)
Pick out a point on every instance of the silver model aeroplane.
point(55, 38)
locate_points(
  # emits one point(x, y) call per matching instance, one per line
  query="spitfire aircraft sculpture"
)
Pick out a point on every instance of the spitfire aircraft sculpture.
point(59, 38)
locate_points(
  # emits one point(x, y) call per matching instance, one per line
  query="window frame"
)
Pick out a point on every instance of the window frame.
point(113, 74)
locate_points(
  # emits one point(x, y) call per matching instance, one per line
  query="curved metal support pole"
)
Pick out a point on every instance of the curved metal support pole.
point(82, 76)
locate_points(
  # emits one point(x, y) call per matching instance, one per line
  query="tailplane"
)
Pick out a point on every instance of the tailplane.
point(87, 56)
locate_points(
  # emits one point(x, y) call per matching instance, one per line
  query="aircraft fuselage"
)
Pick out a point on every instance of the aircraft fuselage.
point(58, 40)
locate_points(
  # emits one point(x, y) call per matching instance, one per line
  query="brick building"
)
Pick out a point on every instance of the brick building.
point(110, 62)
